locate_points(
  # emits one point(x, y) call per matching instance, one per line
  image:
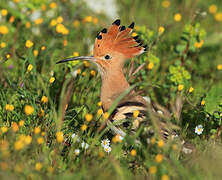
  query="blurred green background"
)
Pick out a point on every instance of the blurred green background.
point(43, 104)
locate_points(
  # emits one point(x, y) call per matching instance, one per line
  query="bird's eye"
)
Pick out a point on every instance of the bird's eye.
point(107, 57)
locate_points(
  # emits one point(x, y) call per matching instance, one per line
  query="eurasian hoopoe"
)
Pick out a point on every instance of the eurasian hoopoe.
point(113, 46)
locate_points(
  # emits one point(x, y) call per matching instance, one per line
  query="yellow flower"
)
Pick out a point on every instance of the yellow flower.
point(219, 66)
point(29, 44)
point(18, 145)
point(3, 166)
point(199, 44)
point(95, 20)
point(59, 136)
point(9, 107)
point(43, 48)
point(40, 140)
point(218, 16)
point(99, 104)
point(101, 154)
point(65, 42)
point(174, 147)
point(3, 29)
point(180, 87)
point(15, 126)
point(106, 115)
point(88, 117)
point(165, 3)
point(60, 28)
point(59, 19)
point(159, 158)
point(93, 73)
point(75, 54)
point(18, 168)
point(4, 129)
point(117, 138)
point(52, 5)
point(160, 143)
point(165, 177)
point(86, 63)
point(11, 19)
point(43, 134)
point(41, 112)
point(136, 113)
point(21, 123)
point(134, 34)
point(29, 68)
point(191, 89)
point(27, 25)
point(8, 56)
point(212, 9)
point(84, 73)
point(150, 66)
point(133, 152)
point(35, 52)
point(152, 170)
point(22, 138)
point(43, 7)
point(99, 112)
point(83, 127)
point(153, 140)
point(38, 166)
point(44, 99)
point(38, 21)
point(76, 23)
point(202, 102)
point(3, 45)
point(53, 22)
point(28, 140)
point(177, 17)
point(161, 29)
point(50, 169)
point(88, 19)
point(4, 12)
point(37, 130)
point(51, 80)
point(78, 71)
point(28, 110)
point(16, 1)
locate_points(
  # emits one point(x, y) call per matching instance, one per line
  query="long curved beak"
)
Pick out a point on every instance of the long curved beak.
point(89, 58)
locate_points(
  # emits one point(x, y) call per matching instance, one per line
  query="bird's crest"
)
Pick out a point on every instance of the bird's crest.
point(118, 39)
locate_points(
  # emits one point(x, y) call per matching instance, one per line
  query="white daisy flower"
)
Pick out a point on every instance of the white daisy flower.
point(107, 149)
point(77, 151)
point(84, 145)
point(199, 129)
point(121, 138)
point(73, 135)
point(105, 142)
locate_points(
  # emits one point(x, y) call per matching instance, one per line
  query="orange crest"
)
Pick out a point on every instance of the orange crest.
point(118, 39)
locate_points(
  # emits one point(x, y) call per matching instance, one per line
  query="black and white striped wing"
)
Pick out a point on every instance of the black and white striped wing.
point(124, 112)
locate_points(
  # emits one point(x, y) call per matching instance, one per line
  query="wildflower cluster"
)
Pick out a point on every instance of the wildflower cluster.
point(106, 145)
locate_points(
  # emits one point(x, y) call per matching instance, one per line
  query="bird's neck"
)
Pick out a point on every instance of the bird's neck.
point(113, 84)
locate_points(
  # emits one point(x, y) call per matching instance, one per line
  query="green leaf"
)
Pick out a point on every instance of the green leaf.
point(213, 99)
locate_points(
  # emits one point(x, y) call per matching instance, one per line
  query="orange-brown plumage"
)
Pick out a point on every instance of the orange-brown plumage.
point(112, 47)
point(117, 44)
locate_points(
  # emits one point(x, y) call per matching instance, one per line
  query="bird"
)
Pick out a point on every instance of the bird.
point(112, 48)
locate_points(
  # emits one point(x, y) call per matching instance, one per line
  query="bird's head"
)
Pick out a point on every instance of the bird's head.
point(112, 47)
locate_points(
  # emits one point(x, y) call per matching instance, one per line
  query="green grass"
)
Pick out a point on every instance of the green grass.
point(187, 54)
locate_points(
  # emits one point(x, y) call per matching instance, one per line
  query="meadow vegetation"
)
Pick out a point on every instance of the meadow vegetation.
point(51, 122)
